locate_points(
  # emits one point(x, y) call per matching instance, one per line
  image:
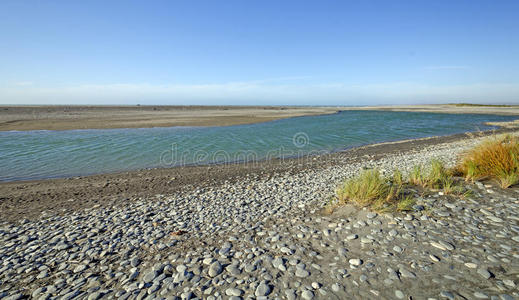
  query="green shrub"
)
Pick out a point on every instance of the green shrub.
point(432, 177)
point(406, 203)
point(370, 189)
point(365, 189)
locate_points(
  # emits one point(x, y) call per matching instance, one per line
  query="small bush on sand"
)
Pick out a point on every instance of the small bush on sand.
point(417, 176)
point(449, 186)
point(433, 176)
point(398, 178)
point(381, 193)
point(406, 203)
point(371, 189)
point(496, 157)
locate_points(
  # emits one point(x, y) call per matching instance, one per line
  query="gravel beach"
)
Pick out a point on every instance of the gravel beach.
point(263, 234)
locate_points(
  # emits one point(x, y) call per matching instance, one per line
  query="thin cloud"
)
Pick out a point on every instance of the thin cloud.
point(446, 67)
point(23, 83)
point(274, 80)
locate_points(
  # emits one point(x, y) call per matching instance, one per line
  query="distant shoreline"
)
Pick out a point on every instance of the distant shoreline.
point(445, 108)
point(67, 117)
point(24, 118)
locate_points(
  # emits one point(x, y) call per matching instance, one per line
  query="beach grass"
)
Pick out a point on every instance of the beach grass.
point(398, 192)
point(371, 189)
point(436, 175)
point(366, 189)
point(496, 158)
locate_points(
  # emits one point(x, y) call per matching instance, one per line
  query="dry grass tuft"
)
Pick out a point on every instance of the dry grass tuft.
point(365, 189)
point(435, 175)
point(395, 192)
point(496, 157)
point(370, 189)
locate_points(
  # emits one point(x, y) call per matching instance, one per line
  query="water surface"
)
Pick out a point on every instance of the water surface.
point(50, 154)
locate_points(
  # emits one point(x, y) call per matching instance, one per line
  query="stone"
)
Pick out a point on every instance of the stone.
point(302, 273)
point(355, 262)
point(509, 283)
point(397, 249)
point(135, 262)
point(371, 215)
point(233, 270)
point(480, 295)
point(263, 289)
point(215, 269)
point(406, 273)
point(290, 294)
point(150, 276)
point(233, 292)
point(484, 273)
point(79, 268)
point(351, 237)
point(447, 294)
point(336, 287)
point(307, 295)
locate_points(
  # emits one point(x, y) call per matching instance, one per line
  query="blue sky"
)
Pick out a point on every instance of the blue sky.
point(259, 52)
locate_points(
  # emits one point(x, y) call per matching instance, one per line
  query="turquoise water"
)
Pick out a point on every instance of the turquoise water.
point(49, 154)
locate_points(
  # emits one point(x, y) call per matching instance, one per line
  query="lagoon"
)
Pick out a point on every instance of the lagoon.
point(29, 155)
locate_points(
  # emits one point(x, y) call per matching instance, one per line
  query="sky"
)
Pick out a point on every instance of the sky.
point(259, 52)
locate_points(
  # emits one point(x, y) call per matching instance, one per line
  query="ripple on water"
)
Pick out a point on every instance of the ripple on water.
point(48, 154)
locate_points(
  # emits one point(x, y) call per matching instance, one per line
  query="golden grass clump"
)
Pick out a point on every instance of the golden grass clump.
point(496, 157)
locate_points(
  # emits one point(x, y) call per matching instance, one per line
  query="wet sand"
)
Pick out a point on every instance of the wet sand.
point(24, 118)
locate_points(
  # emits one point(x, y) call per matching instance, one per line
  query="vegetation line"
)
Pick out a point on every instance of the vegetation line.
point(496, 158)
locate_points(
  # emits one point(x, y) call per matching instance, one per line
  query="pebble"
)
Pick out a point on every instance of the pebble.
point(484, 273)
point(407, 274)
point(355, 262)
point(307, 295)
point(262, 290)
point(290, 294)
point(371, 215)
point(233, 292)
point(302, 273)
point(399, 294)
point(215, 269)
point(150, 276)
point(447, 294)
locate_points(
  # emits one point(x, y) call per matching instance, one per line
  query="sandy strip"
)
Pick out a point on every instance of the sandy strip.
point(24, 118)
point(99, 117)
point(445, 108)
